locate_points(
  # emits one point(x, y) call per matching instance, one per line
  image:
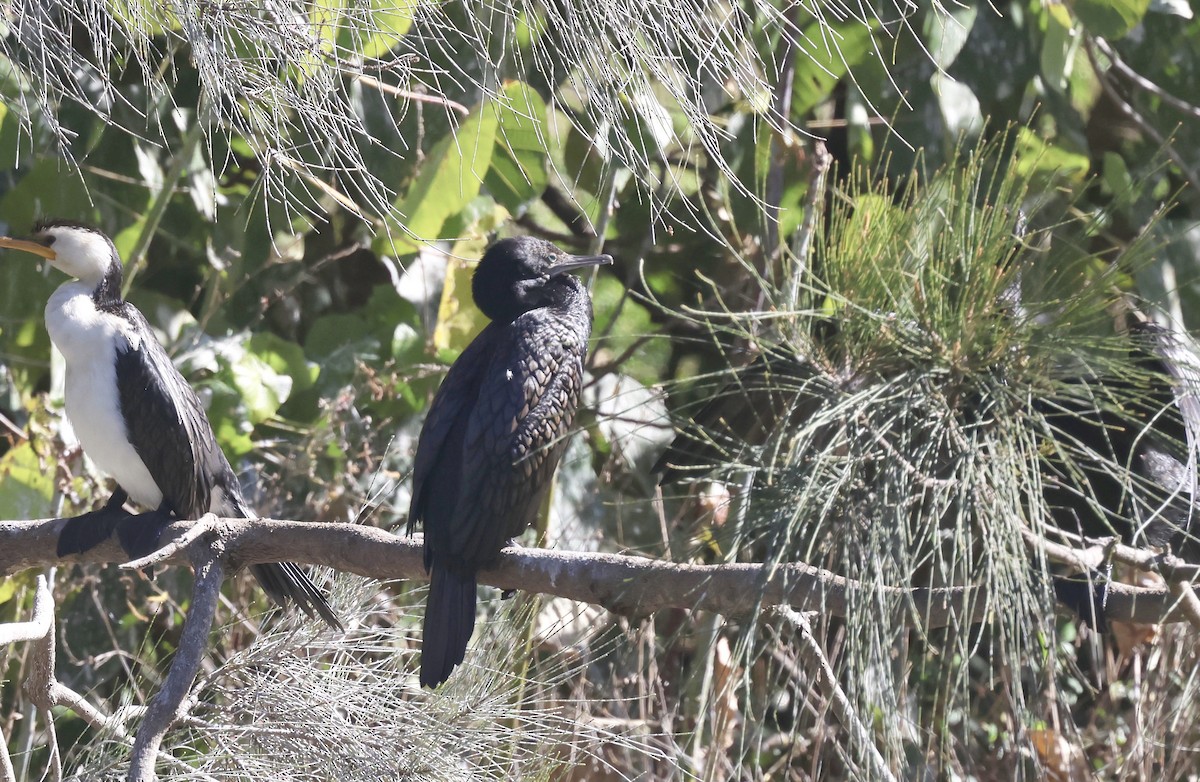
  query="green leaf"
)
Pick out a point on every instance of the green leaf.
point(1111, 19)
point(450, 179)
point(459, 320)
point(286, 358)
point(388, 21)
point(262, 389)
point(10, 138)
point(26, 485)
point(332, 334)
point(518, 170)
point(947, 33)
point(1058, 46)
point(632, 325)
point(959, 107)
point(823, 59)
point(1046, 165)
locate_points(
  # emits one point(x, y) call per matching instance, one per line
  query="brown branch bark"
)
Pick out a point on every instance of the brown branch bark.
point(626, 585)
point(169, 702)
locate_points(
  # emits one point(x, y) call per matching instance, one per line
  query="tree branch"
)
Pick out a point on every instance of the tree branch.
point(842, 707)
point(38, 625)
point(626, 585)
point(168, 704)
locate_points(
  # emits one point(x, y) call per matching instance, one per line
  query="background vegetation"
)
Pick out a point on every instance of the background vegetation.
point(298, 190)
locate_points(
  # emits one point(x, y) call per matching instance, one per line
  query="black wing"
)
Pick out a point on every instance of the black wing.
point(517, 432)
point(440, 444)
point(166, 424)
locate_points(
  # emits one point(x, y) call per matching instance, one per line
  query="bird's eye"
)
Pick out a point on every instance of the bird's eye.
point(48, 239)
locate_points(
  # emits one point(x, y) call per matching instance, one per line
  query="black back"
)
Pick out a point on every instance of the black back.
point(166, 424)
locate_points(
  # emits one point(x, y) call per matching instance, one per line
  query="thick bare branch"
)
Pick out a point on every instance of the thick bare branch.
point(168, 704)
point(627, 585)
point(39, 625)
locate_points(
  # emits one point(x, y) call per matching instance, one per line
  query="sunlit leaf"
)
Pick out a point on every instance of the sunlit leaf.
point(286, 358)
point(1110, 18)
point(450, 179)
point(459, 320)
point(518, 170)
point(26, 485)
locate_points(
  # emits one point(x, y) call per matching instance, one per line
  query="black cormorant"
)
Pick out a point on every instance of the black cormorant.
point(134, 414)
point(496, 430)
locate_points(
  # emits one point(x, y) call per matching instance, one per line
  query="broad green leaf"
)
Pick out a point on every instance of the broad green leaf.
point(518, 170)
point(127, 238)
point(632, 324)
point(26, 485)
point(1111, 19)
point(8, 588)
point(959, 107)
point(326, 19)
point(263, 389)
point(823, 59)
point(449, 180)
point(286, 358)
point(388, 21)
point(947, 33)
point(459, 320)
point(332, 334)
point(10, 138)
point(1045, 165)
point(1058, 46)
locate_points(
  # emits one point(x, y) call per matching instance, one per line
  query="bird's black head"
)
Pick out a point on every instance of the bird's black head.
point(523, 273)
point(79, 250)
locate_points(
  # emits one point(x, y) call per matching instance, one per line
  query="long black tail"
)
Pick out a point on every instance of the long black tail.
point(284, 582)
point(449, 622)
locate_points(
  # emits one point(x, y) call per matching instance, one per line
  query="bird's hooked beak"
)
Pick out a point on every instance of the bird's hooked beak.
point(566, 263)
point(28, 246)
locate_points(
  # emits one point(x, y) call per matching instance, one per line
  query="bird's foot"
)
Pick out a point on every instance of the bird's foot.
point(139, 534)
point(85, 532)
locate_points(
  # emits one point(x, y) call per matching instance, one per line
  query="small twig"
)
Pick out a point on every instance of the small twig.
point(842, 707)
point(420, 97)
point(40, 684)
point(1143, 82)
point(814, 202)
point(168, 705)
point(1188, 602)
point(7, 772)
point(1137, 119)
point(781, 108)
point(41, 625)
point(16, 431)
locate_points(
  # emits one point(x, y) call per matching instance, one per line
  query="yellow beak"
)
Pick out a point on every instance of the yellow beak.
point(24, 245)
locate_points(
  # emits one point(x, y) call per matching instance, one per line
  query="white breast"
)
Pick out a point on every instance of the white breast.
point(88, 340)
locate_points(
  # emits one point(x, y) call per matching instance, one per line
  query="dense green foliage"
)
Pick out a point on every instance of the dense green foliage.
point(299, 225)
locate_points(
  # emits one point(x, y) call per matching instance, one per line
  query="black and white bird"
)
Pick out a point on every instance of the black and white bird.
point(496, 430)
point(135, 415)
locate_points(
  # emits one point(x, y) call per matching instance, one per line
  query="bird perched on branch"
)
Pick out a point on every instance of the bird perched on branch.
point(496, 430)
point(134, 414)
